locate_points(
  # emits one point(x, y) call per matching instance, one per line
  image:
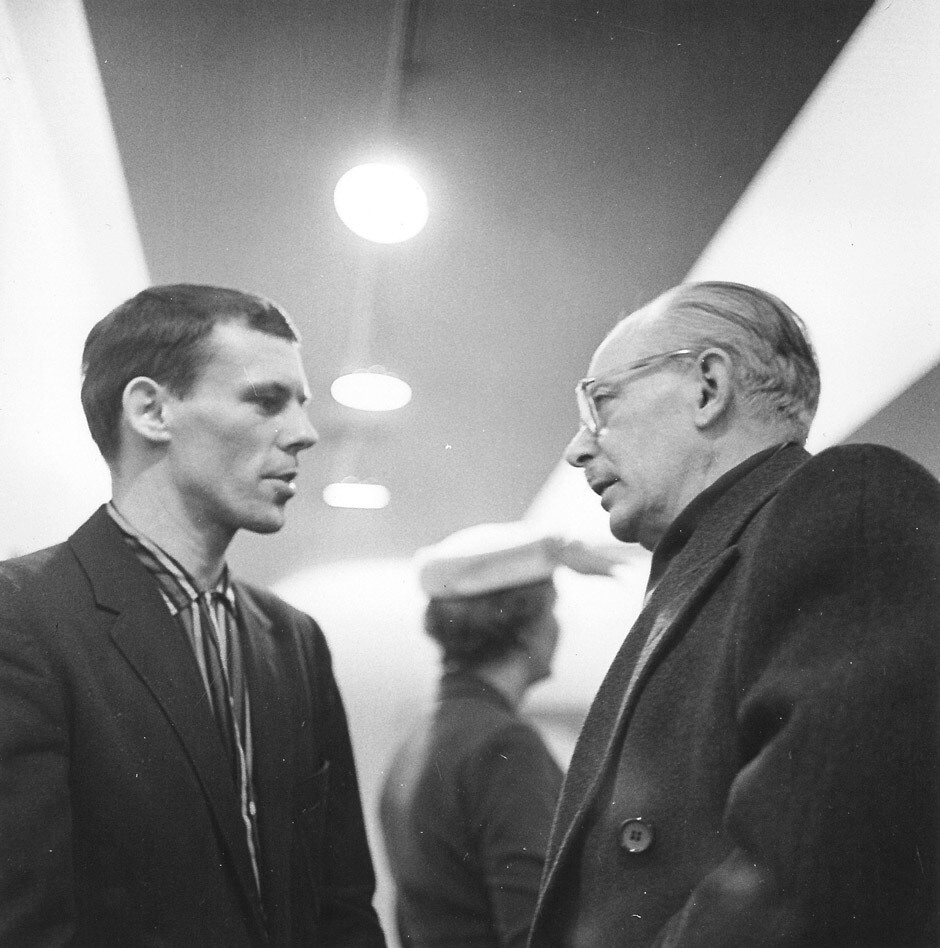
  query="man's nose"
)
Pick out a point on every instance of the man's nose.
point(300, 432)
point(581, 448)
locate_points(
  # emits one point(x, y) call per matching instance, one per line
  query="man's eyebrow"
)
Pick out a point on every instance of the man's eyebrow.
point(279, 389)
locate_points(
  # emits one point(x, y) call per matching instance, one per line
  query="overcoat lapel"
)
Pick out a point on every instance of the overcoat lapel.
point(598, 747)
point(696, 570)
point(660, 627)
point(149, 639)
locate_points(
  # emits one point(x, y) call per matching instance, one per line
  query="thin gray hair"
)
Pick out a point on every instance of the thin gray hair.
point(775, 367)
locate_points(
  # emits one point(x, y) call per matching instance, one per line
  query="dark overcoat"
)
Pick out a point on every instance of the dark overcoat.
point(119, 819)
point(466, 810)
point(760, 765)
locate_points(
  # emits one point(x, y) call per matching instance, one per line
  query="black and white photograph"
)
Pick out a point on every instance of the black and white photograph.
point(471, 474)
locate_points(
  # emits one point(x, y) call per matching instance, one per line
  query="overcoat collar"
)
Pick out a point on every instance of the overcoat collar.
point(150, 640)
point(709, 553)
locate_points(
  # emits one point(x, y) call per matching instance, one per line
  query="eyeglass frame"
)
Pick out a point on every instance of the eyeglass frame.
point(590, 418)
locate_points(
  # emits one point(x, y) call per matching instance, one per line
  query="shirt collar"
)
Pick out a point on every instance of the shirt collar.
point(177, 584)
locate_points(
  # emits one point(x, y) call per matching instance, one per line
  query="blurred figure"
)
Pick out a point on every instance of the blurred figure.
point(175, 765)
point(468, 801)
point(760, 765)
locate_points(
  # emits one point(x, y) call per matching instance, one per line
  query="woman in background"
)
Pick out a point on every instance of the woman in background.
point(468, 801)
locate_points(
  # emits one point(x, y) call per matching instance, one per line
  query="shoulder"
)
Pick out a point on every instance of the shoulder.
point(293, 628)
point(34, 563)
point(35, 573)
point(861, 517)
point(40, 594)
point(876, 483)
point(507, 742)
point(512, 763)
point(470, 723)
point(479, 718)
point(274, 607)
point(868, 464)
point(518, 732)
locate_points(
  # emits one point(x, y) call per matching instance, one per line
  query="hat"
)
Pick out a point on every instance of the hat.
point(491, 556)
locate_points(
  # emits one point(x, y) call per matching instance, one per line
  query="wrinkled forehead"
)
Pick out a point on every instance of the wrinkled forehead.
point(642, 333)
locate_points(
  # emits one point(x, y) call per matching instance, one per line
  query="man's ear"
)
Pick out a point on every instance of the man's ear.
point(715, 377)
point(144, 404)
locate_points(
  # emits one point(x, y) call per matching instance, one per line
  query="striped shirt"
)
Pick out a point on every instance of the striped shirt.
point(183, 599)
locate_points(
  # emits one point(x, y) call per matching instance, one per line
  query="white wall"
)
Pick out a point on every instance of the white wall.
point(69, 251)
point(843, 223)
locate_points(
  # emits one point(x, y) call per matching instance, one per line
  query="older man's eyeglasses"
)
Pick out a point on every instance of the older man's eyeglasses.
point(585, 389)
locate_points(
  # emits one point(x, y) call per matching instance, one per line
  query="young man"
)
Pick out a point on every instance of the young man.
point(175, 766)
point(760, 765)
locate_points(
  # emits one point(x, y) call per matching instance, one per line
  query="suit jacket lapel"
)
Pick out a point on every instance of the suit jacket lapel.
point(152, 643)
point(707, 556)
point(272, 728)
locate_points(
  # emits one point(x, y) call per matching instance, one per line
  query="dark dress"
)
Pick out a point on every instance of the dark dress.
point(466, 812)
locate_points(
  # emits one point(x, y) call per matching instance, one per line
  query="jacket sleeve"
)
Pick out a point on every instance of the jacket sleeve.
point(512, 787)
point(833, 813)
point(36, 874)
point(347, 879)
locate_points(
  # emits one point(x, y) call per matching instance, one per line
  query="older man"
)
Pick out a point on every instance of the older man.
point(175, 766)
point(760, 765)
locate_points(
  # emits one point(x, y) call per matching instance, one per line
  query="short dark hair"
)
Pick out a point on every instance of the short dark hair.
point(161, 333)
point(474, 630)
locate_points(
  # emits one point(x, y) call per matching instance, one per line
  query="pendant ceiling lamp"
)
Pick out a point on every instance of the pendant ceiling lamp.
point(382, 202)
point(354, 490)
point(353, 493)
point(372, 389)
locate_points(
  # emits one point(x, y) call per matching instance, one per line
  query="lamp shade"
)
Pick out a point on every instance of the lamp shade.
point(372, 389)
point(350, 492)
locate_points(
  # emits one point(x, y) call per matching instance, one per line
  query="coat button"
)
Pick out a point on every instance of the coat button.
point(635, 836)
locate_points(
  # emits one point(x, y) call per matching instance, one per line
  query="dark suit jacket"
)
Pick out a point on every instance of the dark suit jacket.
point(119, 822)
point(772, 721)
point(466, 810)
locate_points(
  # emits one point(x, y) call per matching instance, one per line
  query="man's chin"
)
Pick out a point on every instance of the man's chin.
point(622, 528)
point(269, 523)
point(632, 532)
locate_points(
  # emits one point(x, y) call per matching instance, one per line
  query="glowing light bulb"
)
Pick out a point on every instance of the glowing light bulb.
point(371, 389)
point(380, 202)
